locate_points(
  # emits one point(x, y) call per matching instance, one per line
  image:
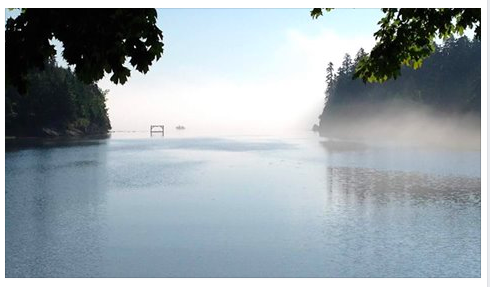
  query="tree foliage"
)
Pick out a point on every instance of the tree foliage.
point(330, 79)
point(57, 100)
point(449, 82)
point(406, 37)
point(95, 41)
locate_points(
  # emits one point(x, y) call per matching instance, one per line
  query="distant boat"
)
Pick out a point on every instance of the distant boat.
point(180, 127)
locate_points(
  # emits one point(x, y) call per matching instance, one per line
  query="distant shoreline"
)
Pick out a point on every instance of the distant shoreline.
point(59, 137)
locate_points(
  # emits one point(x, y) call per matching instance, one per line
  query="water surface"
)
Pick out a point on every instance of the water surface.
point(240, 206)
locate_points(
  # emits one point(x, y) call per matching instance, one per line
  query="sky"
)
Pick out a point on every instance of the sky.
point(239, 70)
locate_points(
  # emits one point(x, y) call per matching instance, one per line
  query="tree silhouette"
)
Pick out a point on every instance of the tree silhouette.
point(56, 100)
point(95, 41)
point(330, 80)
point(449, 82)
point(347, 65)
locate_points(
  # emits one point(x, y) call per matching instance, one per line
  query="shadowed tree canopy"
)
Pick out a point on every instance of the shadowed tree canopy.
point(94, 41)
point(446, 90)
point(56, 103)
point(406, 37)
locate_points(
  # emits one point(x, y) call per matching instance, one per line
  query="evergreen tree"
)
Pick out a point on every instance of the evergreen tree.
point(449, 82)
point(56, 100)
point(330, 80)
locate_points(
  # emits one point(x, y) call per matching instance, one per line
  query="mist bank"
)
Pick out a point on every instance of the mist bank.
point(437, 104)
point(403, 123)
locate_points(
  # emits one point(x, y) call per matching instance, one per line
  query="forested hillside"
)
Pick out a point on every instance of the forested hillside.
point(56, 103)
point(448, 83)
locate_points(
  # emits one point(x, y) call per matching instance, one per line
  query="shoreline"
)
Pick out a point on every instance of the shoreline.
point(18, 143)
point(60, 137)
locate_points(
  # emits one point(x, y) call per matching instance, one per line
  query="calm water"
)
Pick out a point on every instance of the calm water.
point(242, 206)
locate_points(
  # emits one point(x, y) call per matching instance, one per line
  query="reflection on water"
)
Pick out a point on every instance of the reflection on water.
point(403, 187)
point(332, 146)
point(240, 207)
point(46, 143)
point(54, 203)
point(400, 219)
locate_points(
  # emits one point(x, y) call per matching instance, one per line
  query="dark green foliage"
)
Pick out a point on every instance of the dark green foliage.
point(94, 40)
point(406, 38)
point(56, 100)
point(330, 79)
point(448, 82)
point(317, 12)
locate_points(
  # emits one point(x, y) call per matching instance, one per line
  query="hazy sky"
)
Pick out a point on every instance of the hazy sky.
point(239, 70)
point(247, 70)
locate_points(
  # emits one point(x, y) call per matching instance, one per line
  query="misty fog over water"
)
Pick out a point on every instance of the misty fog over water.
point(402, 123)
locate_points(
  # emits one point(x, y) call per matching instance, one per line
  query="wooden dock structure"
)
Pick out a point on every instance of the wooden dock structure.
point(162, 127)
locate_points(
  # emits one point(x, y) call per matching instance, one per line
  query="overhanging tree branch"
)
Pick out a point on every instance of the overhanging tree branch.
point(406, 37)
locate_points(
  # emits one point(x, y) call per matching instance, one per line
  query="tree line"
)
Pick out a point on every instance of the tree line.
point(449, 81)
point(56, 103)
